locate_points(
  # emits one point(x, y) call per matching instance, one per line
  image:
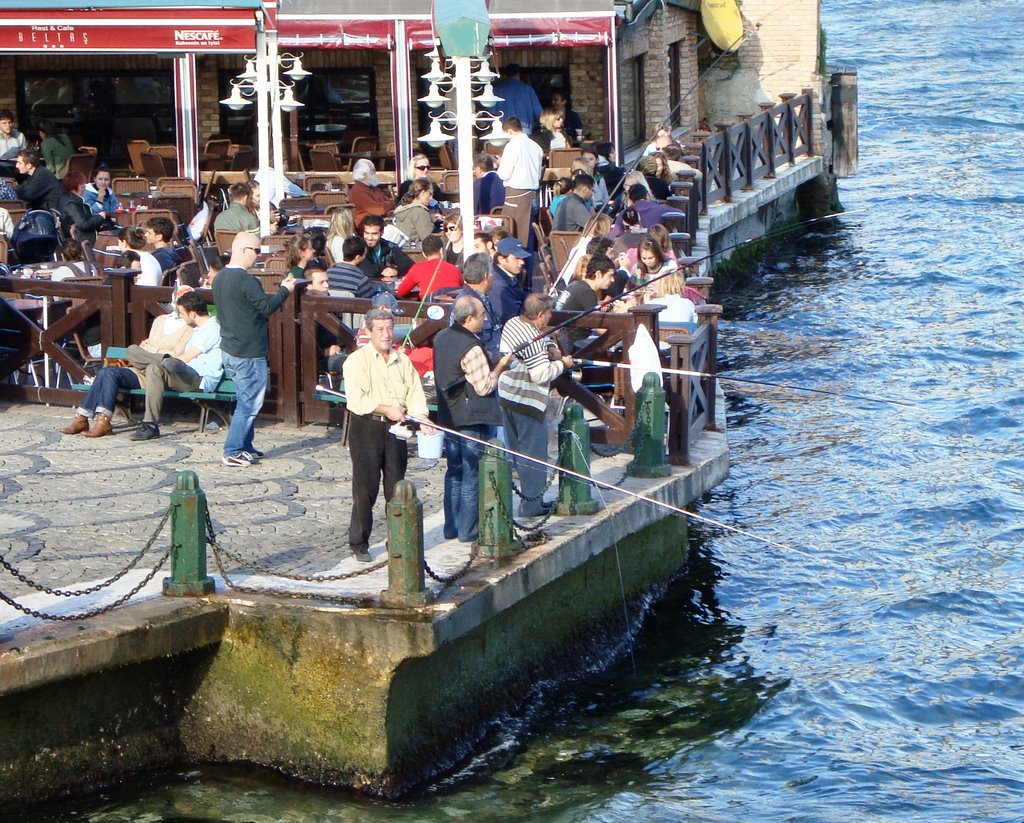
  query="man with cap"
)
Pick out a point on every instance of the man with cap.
point(507, 270)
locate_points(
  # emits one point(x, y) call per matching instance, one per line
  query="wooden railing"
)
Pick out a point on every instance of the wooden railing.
point(738, 154)
point(691, 398)
point(125, 310)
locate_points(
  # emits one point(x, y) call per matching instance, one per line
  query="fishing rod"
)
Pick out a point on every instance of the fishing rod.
point(604, 304)
point(588, 479)
point(688, 373)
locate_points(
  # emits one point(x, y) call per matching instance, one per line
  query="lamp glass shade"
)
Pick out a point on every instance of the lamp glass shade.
point(297, 72)
point(487, 98)
point(434, 99)
point(235, 102)
point(435, 138)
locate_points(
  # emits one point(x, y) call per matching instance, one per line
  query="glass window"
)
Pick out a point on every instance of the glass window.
point(101, 109)
point(339, 104)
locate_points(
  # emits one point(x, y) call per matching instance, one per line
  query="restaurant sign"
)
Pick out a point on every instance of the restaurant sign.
point(132, 30)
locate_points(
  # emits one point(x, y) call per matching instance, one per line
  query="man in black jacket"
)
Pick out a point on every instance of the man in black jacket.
point(40, 189)
point(466, 401)
point(383, 258)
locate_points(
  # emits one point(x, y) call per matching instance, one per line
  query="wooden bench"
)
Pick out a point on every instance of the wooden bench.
point(224, 393)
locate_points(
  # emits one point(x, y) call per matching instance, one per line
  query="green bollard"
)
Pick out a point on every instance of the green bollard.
point(574, 454)
point(188, 540)
point(496, 538)
point(405, 550)
point(649, 436)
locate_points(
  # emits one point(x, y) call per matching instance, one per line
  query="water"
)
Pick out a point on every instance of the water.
point(873, 671)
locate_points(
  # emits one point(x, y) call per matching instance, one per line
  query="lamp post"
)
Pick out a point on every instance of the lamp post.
point(463, 27)
point(261, 80)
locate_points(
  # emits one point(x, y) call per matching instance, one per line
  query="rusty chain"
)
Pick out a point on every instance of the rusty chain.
point(447, 580)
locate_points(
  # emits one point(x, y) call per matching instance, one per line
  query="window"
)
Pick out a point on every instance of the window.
point(101, 109)
point(675, 92)
point(639, 99)
point(339, 104)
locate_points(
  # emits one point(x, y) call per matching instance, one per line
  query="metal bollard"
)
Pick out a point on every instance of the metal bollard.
point(649, 435)
point(405, 550)
point(495, 538)
point(188, 540)
point(574, 454)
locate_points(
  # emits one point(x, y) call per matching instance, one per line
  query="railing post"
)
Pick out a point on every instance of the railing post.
point(679, 401)
point(747, 151)
point(707, 315)
point(406, 580)
point(725, 161)
point(188, 540)
point(649, 434)
point(574, 454)
point(790, 130)
point(769, 136)
point(121, 281)
point(495, 537)
point(808, 110)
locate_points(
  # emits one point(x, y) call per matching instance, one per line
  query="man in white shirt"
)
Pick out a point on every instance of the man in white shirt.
point(520, 169)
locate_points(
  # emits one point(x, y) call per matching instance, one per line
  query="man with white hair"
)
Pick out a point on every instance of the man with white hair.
point(365, 194)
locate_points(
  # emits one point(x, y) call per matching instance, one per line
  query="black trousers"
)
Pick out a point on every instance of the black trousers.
point(375, 455)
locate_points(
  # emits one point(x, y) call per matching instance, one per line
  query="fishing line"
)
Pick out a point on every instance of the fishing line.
point(688, 373)
point(689, 262)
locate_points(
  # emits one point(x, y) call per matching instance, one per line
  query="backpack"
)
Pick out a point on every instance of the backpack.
point(35, 238)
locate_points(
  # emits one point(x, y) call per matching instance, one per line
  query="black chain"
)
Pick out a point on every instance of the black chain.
point(447, 580)
point(39, 587)
point(547, 485)
point(94, 612)
point(526, 537)
point(211, 538)
point(612, 451)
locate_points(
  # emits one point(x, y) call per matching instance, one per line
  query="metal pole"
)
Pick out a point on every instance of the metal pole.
point(261, 85)
point(276, 126)
point(465, 119)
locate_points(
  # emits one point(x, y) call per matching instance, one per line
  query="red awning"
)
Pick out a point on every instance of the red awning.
point(335, 33)
point(161, 29)
point(295, 31)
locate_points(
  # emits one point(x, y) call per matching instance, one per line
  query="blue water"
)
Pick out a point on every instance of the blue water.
point(873, 670)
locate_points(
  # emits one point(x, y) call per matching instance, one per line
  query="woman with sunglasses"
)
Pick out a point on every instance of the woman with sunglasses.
point(454, 241)
point(418, 168)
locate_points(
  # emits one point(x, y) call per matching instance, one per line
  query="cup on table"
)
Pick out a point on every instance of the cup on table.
point(27, 272)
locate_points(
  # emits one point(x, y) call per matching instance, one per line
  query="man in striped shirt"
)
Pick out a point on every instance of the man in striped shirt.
point(523, 395)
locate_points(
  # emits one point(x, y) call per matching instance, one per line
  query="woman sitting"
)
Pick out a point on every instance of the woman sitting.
point(678, 310)
point(454, 240)
point(132, 243)
point(559, 191)
point(656, 173)
point(549, 134)
point(54, 147)
point(418, 168)
point(74, 261)
point(651, 262)
point(74, 212)
point(413, 217)
point(342, 226)
point(299, 252)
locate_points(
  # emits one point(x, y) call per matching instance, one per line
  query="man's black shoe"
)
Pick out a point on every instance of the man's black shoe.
point(149, 431)
point(362, 555)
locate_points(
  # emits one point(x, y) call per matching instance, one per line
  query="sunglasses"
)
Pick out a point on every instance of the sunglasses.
point(450, 228)
point(423, 168)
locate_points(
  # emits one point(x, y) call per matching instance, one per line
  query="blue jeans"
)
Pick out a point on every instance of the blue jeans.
point(462, 483)
point(250, 376)
point(102, 394)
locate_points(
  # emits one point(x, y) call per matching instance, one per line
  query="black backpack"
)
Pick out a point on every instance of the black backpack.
point(35, 238)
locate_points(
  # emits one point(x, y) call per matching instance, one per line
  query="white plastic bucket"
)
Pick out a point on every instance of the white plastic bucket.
point(429, 446)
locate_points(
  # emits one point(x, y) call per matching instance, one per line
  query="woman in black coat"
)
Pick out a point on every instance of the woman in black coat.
point(74, 213)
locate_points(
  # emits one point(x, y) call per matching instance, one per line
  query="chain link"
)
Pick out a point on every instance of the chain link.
point(525, 537)
point(447, 580)
point(94, 612)
point(603, 450)
point(39, 587)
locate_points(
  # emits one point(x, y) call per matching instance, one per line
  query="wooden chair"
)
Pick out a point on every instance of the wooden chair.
point(177, 185)
point(183, 205)
point(129, 185)
point(444, 154)
point(135, 149)
point(141, 217)
point(152, 165)
point(215, 154)
point(88, 150)
point(278, 264)
point(243, 160)
point(506, 221)
point(360, 144)
point(562, 158)
point(276, 241)
point(83, 163)
point(323, 199)
point(322, 160)
point(16, 208)
point(297, 203)
point(545, 263)
point(5, 250)
point(450, 183)
point(169, 157)
point(562, 243)
point(315, 182)
point(223, 240)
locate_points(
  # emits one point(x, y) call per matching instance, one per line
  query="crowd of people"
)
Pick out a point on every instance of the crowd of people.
point(493, 367)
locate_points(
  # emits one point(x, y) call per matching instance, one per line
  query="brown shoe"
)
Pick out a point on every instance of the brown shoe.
point(100, 427)
point(77, 426)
